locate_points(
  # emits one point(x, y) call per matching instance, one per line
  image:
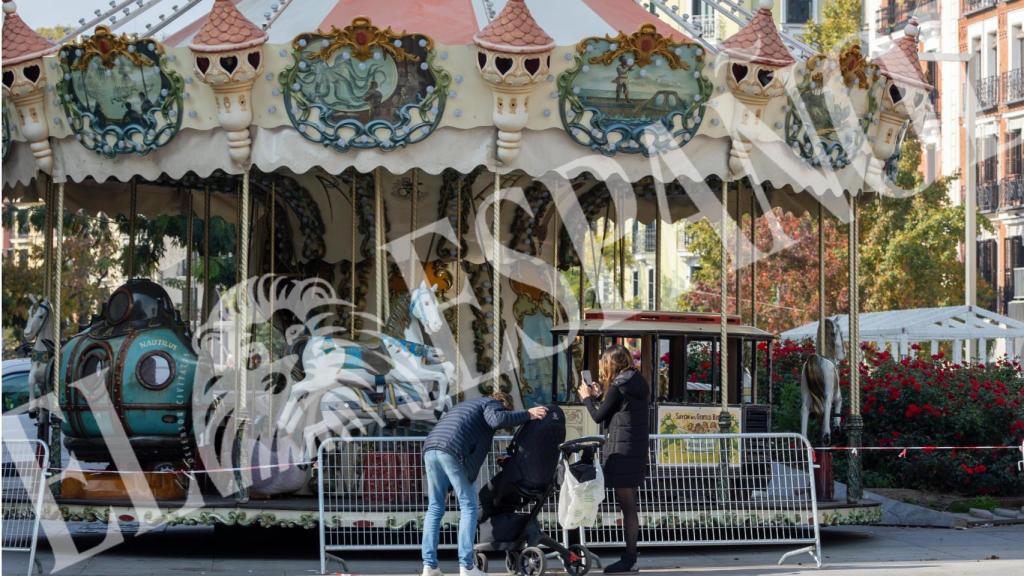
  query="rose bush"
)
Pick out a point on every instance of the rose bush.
point(922, 401)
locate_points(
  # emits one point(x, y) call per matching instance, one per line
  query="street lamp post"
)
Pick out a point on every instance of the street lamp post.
point(971, 195)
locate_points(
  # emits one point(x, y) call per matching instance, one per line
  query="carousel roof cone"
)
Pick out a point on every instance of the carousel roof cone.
point(228, 53)
point(24, 81)
point(21, 43)
point(754, 56)
point(901, 63)
point(515, 53)
point(904, 96)
point(227, 29)
point(759, 42)
point(515, 31)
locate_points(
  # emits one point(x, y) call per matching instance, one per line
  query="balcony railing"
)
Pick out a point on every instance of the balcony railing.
point(971, 6)
point(1013, 85)
point(894, 14)
point(988, 196)
point(987, 90)
point(707, 24)
point(1011, 192)
point(1018, 283)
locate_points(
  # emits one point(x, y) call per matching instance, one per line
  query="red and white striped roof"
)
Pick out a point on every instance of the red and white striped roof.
point(445, 21)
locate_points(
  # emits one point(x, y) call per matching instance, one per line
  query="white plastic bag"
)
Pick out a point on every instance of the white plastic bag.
point(578, 501)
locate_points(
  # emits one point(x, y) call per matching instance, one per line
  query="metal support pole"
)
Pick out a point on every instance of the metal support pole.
point(753, 262)
point(207, 289)
point(273, 298)
point(971, 199)
point(724, 420)
point(496, 284)
point(352, 260)
point(380, 260)
point(186, 299)
point(657, 261)
point(412, 225)
point(458, 288)
point(241, 355)
point(134, 208)
point(58, 259)
point(856, 425)
point(48, 239)
point(739, 233)
point(819, 348)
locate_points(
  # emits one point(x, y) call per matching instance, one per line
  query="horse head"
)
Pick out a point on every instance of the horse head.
point(38, 314)
point(423, 306)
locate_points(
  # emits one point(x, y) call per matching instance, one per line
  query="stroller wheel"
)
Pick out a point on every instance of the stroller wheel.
point(579, 561)
point(512, 561)
point(481, 562)
point(531, 561)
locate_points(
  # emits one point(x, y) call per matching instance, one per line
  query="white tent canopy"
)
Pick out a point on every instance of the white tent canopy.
point(899, 329)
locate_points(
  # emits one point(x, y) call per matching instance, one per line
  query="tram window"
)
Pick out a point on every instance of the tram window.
point(702, 372)
point(156, 371)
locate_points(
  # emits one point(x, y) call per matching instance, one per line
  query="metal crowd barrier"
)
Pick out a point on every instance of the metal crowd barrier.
point(21, 495)
point(702, 489)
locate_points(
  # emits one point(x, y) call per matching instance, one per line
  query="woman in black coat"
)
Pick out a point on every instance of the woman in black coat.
point(625, 409)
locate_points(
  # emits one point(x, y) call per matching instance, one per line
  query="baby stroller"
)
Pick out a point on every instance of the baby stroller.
point(512, 500)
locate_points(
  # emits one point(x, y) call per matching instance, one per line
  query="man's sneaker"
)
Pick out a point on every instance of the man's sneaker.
point(428, 571)
point(474, 571)
point(627, 565)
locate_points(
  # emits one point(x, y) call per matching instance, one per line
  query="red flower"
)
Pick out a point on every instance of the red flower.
point(912, 411)
point(967, 469)
point(980, 469)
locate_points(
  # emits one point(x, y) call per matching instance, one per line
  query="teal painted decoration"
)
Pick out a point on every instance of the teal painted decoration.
point(7, 132)
point(138, 352)
point(821, 124)
point(363, 87)
point(118, 95)
point(642, 93)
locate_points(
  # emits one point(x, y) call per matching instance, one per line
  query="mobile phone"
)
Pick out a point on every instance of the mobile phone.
point(587, 378)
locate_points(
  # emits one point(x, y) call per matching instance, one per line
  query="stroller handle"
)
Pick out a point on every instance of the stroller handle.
point(581, 443)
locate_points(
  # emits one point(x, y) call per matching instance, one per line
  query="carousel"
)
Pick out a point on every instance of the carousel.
point(406, 189)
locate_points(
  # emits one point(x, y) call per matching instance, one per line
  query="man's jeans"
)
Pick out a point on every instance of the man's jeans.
point(444, 471)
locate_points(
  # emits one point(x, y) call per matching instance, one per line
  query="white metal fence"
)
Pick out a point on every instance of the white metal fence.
point(21, 495)
point(703, 489)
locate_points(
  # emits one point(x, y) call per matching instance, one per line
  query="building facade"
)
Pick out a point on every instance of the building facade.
point(992, 32)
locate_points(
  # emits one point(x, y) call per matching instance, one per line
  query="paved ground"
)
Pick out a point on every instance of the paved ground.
point(874, 551)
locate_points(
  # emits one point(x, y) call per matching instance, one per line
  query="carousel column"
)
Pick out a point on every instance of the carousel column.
point(657, 261)
point(58, 257)
point(186, 299)
point(43, 422)
point(821, 280)
point(496, 285)
point(241, 363)
point(856, 425)
point(380, 260)
point(724, 420)
point(207, 289)
point(133, 208)
point(352, 262)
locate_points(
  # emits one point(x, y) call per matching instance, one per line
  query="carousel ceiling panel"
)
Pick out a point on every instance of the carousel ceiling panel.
point(113, 198)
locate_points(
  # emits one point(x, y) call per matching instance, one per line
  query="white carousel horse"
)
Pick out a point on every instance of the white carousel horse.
point(339, 376)
point(819, 383)
point(39, 333)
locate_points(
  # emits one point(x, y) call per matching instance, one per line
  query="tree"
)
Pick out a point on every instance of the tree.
point(54, 33)
point(840, 23)
point(90, 255)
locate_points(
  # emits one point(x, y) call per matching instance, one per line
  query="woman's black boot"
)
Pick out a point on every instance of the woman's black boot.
point(626, 565)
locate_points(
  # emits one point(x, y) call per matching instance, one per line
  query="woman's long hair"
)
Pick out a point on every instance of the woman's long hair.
point(614, 360)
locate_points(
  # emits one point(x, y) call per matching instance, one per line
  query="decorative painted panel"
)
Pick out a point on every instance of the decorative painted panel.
point(634, 93)
point(363, 87)
point(118, 94)
point(822, 125)
point(7, 132)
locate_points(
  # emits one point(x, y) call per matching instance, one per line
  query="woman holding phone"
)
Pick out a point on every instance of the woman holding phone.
point(621, 399)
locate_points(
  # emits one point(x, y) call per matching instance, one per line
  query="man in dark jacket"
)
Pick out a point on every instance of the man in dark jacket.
point(452, 455)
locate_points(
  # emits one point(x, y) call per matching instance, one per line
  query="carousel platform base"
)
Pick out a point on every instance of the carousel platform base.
point(110, 486)
point(302, 512)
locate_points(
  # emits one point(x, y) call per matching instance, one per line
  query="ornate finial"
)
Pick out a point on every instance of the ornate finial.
point(10, 7)
point(766, 5)
point(913, 28)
